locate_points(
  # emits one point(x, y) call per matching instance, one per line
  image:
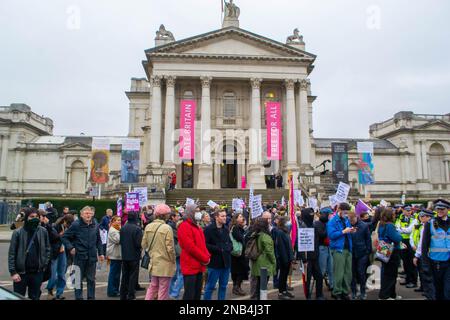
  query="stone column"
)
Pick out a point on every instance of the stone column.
point(255, 169)
point(205, 167)
point(291, 130)
point(424, 161)
point(418, 155)
point(305, 145)
point(4, 156)
point(169, 124)
point(155, 134)
point(447, 175)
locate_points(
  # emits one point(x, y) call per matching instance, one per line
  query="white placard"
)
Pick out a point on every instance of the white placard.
point(143, 195)
point(283, 202)
point(305, 239)
point(403, 199)
point(212, 204)
point(313, 203)
point(100, 144)
point(298, 199)
point(250, 197)
point(42, 206)
point(257, 209)
point(131, 144)
point(333, 201)
point(383, 203)
point(365, 147)
point(237, 204)
point(190, 201)
point(342, 192)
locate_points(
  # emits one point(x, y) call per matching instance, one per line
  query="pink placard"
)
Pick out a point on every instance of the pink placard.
point(132, 202)
point(187, 129)
point(273, 120)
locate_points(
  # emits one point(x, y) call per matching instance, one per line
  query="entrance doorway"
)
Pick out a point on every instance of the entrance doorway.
point(187, 173)
point(228, 175)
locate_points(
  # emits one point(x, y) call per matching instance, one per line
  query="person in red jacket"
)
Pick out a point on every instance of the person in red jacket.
point(194, 254)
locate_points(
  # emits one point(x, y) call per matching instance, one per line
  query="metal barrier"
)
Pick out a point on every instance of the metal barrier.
point(9, 211)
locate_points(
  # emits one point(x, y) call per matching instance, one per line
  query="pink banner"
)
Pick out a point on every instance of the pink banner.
point(273, 120)
point(187, 129)
point(132, 202)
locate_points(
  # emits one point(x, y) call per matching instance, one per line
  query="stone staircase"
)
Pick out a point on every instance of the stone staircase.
point(327, 187)
point(222, 195)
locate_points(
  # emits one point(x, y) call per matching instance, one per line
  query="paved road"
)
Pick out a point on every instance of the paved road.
point(102, 276)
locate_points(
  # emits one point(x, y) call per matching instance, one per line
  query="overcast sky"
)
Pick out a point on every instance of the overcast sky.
point(375, 58)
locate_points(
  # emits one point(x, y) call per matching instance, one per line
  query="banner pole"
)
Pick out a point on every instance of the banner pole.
point(99, 191)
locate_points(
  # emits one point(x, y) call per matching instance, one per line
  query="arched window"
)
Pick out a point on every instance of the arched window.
point(229, 105)
point(437, 168)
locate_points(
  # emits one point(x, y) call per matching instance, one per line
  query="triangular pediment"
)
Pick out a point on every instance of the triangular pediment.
point(438, 125)
point(233, 42)
point(75, 146)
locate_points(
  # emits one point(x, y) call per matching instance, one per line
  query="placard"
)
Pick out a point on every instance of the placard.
point(257, 209)
point(143, 195)
point(306, 239)
point(342, 192)
point(132, 202)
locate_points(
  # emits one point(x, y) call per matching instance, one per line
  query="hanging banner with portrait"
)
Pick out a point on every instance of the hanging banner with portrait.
point(339, 153)
point(99, 163)
point(274, 135)
point(187, 129)
point(130, 160)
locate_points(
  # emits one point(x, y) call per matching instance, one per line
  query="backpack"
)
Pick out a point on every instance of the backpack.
point(237, 246)
point(251, 250)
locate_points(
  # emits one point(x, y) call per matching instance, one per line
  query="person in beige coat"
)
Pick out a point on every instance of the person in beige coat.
point(114, 254)
point(159, 242)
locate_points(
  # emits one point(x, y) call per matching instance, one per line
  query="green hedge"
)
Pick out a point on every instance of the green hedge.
point(74, 204)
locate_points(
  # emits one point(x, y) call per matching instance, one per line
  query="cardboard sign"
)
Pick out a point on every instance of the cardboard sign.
point(212, 204)
point(236, 204)
point(257, 209)
point(333, 201)
point(342, 192)
point(313, 203)
point(298, 199)
point(305, 239)
point(143, 195)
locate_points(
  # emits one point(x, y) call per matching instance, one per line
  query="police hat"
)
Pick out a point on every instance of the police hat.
point(426, 213)
point(407, 208)
point(441, 204)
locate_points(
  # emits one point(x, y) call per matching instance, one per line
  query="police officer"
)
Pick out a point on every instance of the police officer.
point(436, 249)
point(426, 281)
point(405, 224)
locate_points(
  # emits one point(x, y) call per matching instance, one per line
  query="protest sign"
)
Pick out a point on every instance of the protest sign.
point(236, 204)
point(143, 195)
point(306, 239)
point(132, 202)
point(342, 192)
point(256, 206)
point(190, 201)
point(212, 204)
point(298, 199)
point(333, 201)
point(313, 203)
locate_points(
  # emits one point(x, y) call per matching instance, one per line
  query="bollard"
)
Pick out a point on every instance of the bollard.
point(263, 284)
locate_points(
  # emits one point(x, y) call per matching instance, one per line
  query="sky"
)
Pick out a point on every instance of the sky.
point(73, 60)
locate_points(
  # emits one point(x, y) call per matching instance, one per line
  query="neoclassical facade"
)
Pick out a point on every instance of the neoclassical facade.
point(231, 74)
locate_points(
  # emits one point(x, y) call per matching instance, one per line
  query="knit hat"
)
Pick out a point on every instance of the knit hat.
point(161, 210)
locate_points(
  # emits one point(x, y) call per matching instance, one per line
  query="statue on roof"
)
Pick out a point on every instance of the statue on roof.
point(163, 34)
point(295, 38)
point(232, 10)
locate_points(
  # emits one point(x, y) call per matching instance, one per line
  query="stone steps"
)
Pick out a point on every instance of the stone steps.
point(222, 195)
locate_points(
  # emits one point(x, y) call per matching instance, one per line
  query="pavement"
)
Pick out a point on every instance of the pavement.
point(102, 283)
point(5, 234)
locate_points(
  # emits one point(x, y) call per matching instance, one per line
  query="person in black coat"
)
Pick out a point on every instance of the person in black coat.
point(285, 256)
point(312, 258)
point(362, 248)
point(83, 242)
point(130, 242)
point(219, 245)
point(239, 264)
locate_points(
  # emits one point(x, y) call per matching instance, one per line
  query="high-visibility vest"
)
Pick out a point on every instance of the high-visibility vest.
point(403, 222)
point(416, 234)
point(440, 243)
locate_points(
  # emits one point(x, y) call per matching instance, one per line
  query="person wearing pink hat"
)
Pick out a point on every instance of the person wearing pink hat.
point(159, 242)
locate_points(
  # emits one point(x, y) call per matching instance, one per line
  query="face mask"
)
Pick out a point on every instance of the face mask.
point(198, 216)
point(32, 224)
